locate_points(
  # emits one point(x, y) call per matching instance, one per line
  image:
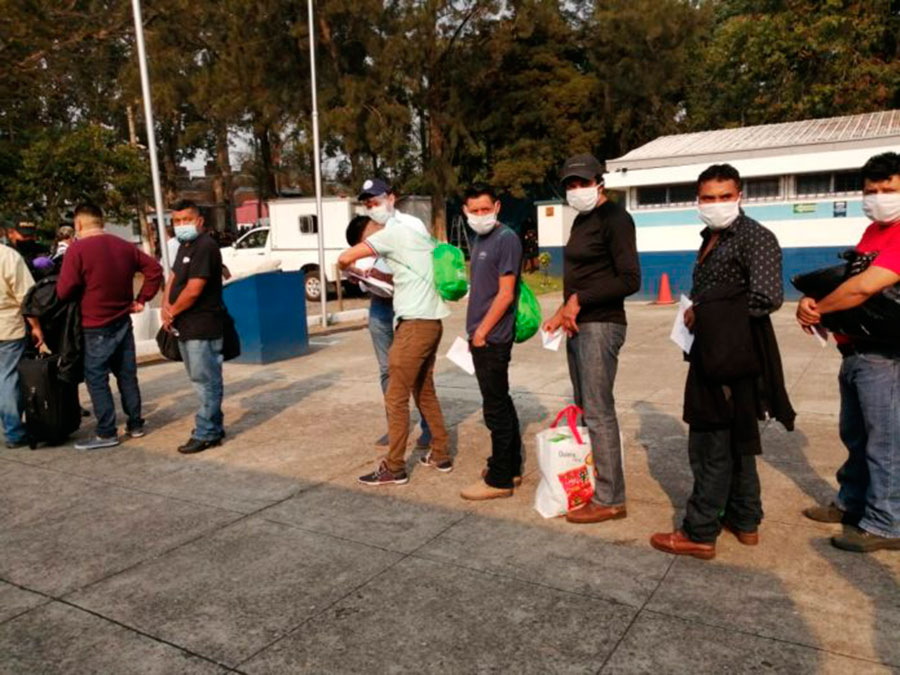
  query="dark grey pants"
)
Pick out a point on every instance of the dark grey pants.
point(726, 487)
point(593, 355)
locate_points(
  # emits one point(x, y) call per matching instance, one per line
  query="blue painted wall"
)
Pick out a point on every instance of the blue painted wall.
point(679, 266)
point(761, 212)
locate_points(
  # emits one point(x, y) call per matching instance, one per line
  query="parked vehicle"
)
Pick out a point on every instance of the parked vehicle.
point(291, 239)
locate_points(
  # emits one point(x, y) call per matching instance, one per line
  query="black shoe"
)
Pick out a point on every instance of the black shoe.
point(24, 443)
point(196, 445)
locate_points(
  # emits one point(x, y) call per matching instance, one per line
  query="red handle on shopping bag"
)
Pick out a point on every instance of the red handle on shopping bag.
point(571, 413)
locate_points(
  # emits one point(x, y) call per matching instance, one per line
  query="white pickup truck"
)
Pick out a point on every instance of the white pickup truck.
point(291, 240)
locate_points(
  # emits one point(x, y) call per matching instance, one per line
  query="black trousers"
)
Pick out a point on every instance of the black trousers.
point(492, 371)
point(726, 487)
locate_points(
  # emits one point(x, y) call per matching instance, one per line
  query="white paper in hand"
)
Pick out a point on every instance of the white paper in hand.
point(553, 340)
point(460, 355)
point(680, 335)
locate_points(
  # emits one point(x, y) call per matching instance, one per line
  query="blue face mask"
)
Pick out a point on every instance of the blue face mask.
point(186, 233)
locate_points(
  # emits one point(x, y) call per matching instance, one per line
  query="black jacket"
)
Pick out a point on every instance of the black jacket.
point(61, 324)
point(735, 377)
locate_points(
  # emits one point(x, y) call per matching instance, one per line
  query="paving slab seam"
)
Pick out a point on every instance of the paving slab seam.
point(526, 582)
point(52, 598)
point(353, 590)
point(760, 636)
point(104, 482)
point(635, 617)
point(207, 533)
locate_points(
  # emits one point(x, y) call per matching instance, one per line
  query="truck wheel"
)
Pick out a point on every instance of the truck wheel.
point(313, 285)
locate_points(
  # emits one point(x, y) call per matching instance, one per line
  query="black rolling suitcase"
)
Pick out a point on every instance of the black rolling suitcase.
point(52, 409)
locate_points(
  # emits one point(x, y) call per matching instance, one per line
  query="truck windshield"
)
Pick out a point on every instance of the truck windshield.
point(253, 240)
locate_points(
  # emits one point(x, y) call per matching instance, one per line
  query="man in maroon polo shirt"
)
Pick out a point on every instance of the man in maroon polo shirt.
point(100, 268)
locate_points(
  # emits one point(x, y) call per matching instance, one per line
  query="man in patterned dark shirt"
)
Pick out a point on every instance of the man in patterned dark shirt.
point(735, 374)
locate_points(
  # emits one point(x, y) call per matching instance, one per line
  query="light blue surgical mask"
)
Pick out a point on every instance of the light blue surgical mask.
point(187, 232)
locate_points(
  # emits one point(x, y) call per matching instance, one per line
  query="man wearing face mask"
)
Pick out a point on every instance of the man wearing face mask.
point(868, 501)
point(194, 309)
point(491, 324)
point(100, 268)
point(735, 376)
point(418, 311)
point(600, 269)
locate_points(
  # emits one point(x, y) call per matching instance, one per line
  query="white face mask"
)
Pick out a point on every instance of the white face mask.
point(482, 224)
point(583, 199)
point(381, 212)
point(882, 207)
point(719, 215)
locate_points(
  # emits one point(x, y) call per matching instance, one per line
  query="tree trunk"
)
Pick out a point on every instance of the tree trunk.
point(223, 162)
point(266, 170)
point(436, 149)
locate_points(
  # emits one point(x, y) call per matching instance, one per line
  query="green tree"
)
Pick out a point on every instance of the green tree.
point(786, 60)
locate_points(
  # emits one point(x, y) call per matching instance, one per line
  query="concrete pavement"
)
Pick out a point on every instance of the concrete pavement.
point(265, 556)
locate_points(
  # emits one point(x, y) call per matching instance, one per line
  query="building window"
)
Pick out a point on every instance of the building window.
point(683, 194)
point(848, 181)
point(665, 195)
point(652, 196)
point(308, 225)
point(810, 184)
point(762, 188)
point(814, 184)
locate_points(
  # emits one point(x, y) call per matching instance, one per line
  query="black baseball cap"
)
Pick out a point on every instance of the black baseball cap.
point(374, 187)
point(584, 166)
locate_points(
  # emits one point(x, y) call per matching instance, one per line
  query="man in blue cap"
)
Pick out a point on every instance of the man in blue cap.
point(404, 242)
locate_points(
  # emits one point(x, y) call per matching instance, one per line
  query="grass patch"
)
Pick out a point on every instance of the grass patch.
point(541, 284)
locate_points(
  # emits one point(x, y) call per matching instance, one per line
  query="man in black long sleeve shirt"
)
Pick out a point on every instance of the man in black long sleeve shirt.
point(600, 268)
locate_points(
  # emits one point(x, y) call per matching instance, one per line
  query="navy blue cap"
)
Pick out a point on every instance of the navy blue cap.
point(374, 187)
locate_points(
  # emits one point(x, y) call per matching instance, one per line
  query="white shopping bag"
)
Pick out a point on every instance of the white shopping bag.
point(566, 466)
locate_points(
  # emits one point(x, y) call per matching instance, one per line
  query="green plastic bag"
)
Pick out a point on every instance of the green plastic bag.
point(450, 277)
point(528, 313)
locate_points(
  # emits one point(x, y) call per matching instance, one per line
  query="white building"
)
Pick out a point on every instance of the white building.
point(801, 180)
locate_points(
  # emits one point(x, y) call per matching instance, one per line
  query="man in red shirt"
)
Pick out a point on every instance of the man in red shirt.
point(100, 269)
point(869, 497)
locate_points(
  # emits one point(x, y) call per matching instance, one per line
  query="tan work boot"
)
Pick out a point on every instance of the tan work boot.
point(517, 480)
point(480, 491)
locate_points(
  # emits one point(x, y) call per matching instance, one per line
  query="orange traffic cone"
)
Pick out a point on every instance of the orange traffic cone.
point(665, 292)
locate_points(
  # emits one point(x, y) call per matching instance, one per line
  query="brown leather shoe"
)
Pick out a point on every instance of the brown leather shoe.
point(746, 538)
point(594, 513)
point(517, 480)
point(677, 543)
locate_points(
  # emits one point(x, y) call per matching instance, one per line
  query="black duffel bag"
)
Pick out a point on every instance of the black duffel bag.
point(231, 341)
point(876, 320)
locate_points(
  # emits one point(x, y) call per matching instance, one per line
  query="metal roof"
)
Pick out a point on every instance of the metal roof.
point(766, 139)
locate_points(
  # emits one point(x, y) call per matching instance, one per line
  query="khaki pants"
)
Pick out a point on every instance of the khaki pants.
point(411, 371)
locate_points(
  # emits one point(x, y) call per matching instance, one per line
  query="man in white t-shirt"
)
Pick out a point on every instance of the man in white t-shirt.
point(418, 310)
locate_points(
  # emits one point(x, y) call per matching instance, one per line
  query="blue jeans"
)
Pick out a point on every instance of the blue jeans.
point(870, 428)
point(10, 393)
point(381, 328)
point(203, 362)
point(110, 349)
point(593, 355)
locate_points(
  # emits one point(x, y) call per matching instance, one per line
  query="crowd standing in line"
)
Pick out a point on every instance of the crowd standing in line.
point(734, 379)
